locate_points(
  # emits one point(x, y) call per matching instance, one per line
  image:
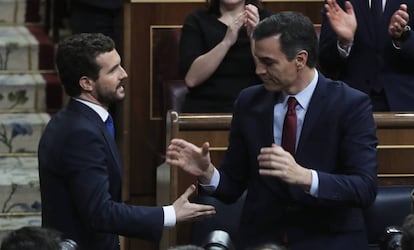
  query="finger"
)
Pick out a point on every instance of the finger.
point(204, 209)
point(178, 143)
point(265, 164)
point(189, 191)
point(274, 149)
point(173, 147)
point(334, 6)
point(174, 162)
point(251, 10)
point(198, 215)
point(349, 8)
point(205, 148)
point(269, 172)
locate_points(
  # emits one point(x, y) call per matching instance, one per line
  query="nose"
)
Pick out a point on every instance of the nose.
point(260, 68)
point(124, 73)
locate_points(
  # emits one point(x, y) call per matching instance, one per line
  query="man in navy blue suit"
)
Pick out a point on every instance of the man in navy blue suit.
point(311, 198)
point(374, 55)
point(79, 164)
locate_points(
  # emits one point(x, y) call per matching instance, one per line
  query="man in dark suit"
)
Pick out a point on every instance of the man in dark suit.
point(312, 196)
point(79, 164)
point(371, 50)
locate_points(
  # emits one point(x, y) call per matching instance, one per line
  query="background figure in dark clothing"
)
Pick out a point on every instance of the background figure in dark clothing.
point(371, 52)
point(216, 56)
point(96, 16)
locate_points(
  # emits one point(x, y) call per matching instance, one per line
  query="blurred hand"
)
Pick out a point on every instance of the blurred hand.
point(343, 23)
point(252, 18)
point(233, 28)
point(275, 161)
point(398, 22)
point(185, 210)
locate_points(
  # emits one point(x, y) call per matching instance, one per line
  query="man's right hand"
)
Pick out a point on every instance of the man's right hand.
point(190, 158)
point(186, 211)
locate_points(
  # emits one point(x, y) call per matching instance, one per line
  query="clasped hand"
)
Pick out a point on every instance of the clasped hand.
point(275, 161)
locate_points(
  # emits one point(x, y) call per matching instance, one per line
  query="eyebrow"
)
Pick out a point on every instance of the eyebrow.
point(113, 68)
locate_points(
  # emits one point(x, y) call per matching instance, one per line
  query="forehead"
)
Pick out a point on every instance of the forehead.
point(108, 59)
point(267, 47)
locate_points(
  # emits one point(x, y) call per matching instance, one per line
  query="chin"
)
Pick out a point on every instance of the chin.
point(272, 88)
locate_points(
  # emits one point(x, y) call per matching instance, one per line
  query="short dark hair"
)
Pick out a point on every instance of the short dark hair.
point(214, 6)
point(32, 238)
point(296, 33)
point(76, 57)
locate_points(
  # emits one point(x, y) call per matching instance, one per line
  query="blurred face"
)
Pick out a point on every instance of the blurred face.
point(231, 3)
point(109, 87)
point(273, 67)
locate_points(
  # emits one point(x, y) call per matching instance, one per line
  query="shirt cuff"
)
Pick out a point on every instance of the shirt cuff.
point(212, 186)
point(343, 52)
point(315, 184)
point(169, 216)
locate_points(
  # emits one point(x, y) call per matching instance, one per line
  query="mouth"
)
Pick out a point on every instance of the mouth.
point(120, 85)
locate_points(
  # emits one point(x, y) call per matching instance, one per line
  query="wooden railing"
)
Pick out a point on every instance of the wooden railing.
point(395, 132)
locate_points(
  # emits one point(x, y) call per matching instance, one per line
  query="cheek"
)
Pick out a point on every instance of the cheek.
point(275, 72)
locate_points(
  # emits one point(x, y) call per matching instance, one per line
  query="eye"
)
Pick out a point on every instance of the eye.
point(267, 62)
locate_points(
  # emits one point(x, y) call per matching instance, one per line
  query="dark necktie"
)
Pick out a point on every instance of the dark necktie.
point(379, 28)
point(376, 11)
point(110, 125)
point(289, 127)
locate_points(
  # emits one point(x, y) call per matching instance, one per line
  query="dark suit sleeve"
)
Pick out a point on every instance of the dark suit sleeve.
point(353, 180)
point(90, 176)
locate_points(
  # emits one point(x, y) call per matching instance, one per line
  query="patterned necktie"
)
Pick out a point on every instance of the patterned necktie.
point(110, 125)
point(290, 127)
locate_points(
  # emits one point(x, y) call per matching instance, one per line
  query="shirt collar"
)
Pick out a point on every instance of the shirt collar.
point(304, 96)
point(103, 113)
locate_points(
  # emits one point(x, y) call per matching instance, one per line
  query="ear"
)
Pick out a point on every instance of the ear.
point(301, 59)
point(86, 83)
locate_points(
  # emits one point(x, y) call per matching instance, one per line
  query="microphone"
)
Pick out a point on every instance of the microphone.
point(218, 240)
point(68, 244)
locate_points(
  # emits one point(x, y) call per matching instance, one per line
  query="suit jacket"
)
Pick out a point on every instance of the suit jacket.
point(373, 60)
point(337, 140)
point(81, 179)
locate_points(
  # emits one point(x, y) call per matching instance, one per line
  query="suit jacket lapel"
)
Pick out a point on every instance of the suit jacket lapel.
point(313, 116)
point(316, 106)
point(112, 145)
point(265, 114)
point(97, 121)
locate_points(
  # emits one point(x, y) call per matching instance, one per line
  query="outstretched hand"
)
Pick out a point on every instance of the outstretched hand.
point(185, 210)
point(342, 22)
point(190, 158)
